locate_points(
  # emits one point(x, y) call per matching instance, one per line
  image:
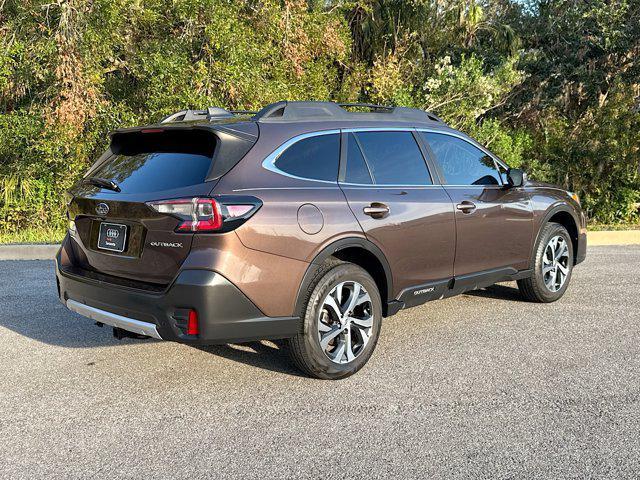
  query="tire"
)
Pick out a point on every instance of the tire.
point(543, 286)
point(339, 331)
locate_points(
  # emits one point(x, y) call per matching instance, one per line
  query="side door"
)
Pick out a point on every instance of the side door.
point(494, 223)
point(387, 183)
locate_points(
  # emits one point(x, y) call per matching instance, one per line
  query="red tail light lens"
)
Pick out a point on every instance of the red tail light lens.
point(208, 214)
point(192, 323)
point(205, 216)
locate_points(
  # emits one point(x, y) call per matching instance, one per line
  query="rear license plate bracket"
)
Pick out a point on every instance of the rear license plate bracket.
point(112, 237)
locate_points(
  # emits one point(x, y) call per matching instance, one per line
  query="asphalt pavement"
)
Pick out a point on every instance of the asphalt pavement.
point(483, 385)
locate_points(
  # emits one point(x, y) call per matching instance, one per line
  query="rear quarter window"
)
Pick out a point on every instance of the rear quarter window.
point(313, 158)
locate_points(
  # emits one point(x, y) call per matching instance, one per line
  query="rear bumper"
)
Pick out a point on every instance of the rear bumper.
point(225, 314)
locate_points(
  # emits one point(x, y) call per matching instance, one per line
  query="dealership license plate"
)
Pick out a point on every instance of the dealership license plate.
point(112, 236)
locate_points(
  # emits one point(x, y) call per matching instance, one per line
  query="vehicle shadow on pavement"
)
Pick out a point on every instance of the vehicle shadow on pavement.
point(265, 355)
point(30, 307)
point(498, 292)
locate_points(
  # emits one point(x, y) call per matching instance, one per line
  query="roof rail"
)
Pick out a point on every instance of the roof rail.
point(316, 111)
point(211, 113)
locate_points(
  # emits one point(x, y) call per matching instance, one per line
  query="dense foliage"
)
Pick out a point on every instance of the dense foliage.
point(549, 85)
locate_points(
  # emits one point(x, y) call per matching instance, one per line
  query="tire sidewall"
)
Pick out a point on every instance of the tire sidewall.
point(321, 364)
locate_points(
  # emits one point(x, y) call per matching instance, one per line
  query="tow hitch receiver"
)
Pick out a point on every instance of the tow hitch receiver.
point(120, 333)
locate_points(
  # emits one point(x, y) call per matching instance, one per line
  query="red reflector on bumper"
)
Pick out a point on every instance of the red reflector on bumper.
point(192, 323)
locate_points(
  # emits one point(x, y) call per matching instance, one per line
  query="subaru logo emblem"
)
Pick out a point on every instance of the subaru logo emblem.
point(102, 209)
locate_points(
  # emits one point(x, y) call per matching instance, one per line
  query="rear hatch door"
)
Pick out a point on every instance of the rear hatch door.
point(116, 232)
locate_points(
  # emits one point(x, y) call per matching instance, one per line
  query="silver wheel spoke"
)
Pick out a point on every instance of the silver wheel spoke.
point(323, 327)
point(563, 269)
point(365, 334)
point(338, 353)
point(353, 298)
point(338, 290)
point(349, 347)
point(562, 251)
point(362, 322)
point(363, 299)
point(331, 303)
point(327, 337)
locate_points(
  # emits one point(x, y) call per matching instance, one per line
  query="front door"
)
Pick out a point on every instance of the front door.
point(494, 223)
point(388, 186)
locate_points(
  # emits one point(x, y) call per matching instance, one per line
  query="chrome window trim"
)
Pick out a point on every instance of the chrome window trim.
point(269, 163)
point(330, 186)
point(394, 185)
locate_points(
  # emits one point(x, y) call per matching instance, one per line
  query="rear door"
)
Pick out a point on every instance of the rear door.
point(115, 232)
point(494, 223)
point(389, 188)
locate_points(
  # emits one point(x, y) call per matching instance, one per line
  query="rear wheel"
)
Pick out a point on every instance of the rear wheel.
point(552, 266)
point(341, 323)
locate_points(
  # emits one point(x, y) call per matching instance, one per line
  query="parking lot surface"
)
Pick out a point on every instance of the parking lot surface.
point(482, 385)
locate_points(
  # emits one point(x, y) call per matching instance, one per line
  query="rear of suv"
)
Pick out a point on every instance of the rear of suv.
point(305, 222)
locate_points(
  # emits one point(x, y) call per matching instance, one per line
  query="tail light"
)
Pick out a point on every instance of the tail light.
point(219, 214)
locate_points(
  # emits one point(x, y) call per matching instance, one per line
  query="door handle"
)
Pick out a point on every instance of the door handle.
point(376, 210)
point(466, 207)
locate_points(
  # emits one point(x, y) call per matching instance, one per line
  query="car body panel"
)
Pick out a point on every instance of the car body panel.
point(498, 233)
point(417, 236)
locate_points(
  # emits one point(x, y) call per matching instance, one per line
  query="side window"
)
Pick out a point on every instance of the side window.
point(315, 158)
point(394, 158)
point(357, 170)
point(461, 162)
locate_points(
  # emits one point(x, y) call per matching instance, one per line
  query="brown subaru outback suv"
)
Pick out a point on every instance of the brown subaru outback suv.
point(306, 222)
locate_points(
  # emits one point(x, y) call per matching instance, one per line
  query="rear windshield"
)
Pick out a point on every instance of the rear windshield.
point(149, 162)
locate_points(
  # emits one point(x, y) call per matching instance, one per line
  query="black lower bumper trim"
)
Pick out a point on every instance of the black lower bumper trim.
point(225, 314)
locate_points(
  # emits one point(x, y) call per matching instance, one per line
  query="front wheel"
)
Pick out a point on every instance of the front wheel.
point(341, 324)
point(552, 266)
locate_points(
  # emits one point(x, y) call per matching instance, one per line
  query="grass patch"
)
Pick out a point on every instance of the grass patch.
point(597, 227)
point(33, 235)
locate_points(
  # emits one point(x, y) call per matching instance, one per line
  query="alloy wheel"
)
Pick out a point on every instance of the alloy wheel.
point(555, 263)
point(345, 323)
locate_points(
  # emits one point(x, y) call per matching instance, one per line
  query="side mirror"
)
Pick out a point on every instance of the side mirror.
point(516, 177)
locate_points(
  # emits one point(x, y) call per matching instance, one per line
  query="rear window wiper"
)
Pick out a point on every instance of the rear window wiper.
point(102, 183)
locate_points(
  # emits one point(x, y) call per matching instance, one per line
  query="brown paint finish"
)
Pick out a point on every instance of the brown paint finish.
point(146, 257)
point(270, 281)
point(497, 233)
point(417, 236)
point(275, 228)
